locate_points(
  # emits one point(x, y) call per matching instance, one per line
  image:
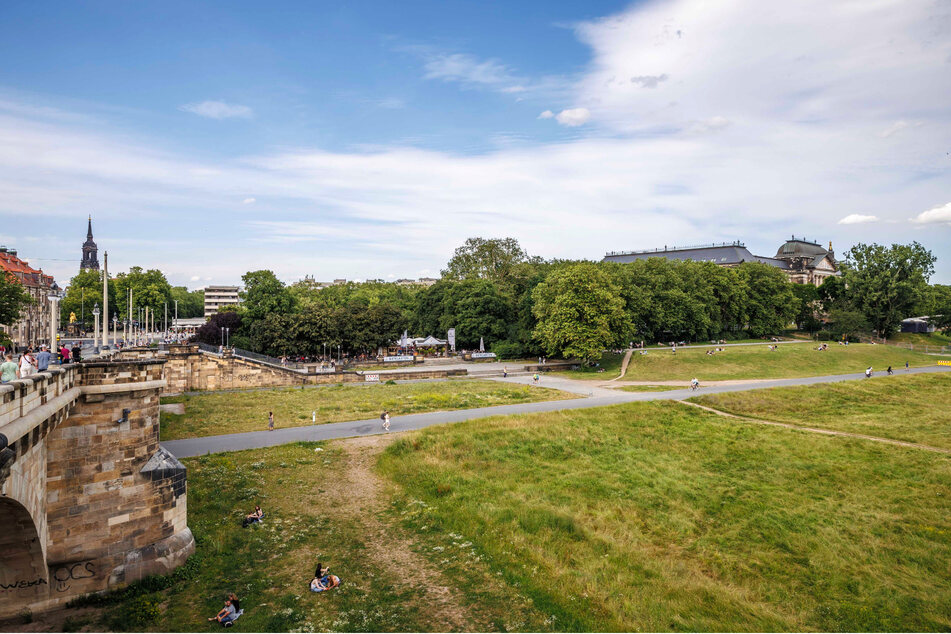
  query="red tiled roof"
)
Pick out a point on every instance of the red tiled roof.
point(27, 275)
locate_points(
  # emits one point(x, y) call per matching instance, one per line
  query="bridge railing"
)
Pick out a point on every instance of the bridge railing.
point(256, 356)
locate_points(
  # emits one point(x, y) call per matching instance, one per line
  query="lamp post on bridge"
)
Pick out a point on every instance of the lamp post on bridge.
point(53, 297)
point(95, 330)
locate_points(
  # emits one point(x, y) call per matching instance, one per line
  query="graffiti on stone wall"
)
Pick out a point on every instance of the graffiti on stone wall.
point(22, 584)
point(65, 573)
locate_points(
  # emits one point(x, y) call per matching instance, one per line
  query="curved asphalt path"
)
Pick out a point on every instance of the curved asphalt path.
point(591, 397)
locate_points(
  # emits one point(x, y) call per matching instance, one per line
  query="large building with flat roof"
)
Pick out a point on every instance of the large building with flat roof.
point(217, 297)
point(803, 261)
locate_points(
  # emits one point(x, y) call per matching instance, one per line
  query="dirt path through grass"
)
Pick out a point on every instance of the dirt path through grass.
point(359, 493)
point(817, 430)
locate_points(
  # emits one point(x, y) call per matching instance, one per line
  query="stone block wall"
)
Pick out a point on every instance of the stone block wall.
point(109, 522)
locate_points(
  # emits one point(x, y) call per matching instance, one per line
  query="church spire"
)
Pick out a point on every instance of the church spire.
point(90, 251)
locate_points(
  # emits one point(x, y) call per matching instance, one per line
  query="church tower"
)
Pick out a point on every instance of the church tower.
point(90, 252)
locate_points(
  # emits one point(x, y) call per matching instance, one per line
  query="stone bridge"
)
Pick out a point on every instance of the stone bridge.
point(188, 369)
point(89, 501)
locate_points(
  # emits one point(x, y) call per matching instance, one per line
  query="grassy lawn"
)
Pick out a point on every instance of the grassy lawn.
point(610, 363)
point(912, 408)
point(270, 566)
point(657, 516)
point(920, 338)
point(759, 362)
point(212, 413)
point(647, 388)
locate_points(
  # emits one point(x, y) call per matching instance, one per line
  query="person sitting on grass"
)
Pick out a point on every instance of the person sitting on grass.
point(253, 517)
point(327, 582)
point(226, 615)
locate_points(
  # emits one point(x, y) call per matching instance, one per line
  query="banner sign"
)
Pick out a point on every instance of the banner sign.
point(944, 362)
point(451, 336)
point(398, 357)
point(372, 378)
point(483, 355)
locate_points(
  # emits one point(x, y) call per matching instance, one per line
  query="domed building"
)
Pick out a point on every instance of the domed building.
point(803, 261)
point(807, 262)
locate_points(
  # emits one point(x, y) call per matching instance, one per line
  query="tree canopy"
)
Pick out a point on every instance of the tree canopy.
point(887, 283)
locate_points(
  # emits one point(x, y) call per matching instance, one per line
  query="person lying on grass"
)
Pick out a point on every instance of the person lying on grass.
point(327, 582)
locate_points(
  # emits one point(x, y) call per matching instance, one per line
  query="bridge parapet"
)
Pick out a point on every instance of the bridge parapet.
point(92, 501)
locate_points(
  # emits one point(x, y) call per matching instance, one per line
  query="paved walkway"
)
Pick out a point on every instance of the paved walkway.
point(600, 397)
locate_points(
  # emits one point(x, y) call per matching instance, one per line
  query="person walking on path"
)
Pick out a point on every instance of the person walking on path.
point(868, 372)
point(505, 372)
point(694, 383)
point(9, 370)
point(64, 354)
point(27, 364)
point(535, 379)
point(77, 354)
point(386, 420)
point(43, 359)
point(889, 371)
point(270, 421)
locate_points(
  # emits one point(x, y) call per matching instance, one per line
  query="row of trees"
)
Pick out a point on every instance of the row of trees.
point(520, 305)
point(149, 288)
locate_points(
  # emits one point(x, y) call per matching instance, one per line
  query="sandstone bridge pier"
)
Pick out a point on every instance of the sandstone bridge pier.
point(89, 501)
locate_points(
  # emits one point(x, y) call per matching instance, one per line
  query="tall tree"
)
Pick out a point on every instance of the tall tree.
point(149, 289)
point(264, 294)
point(84, 292)
point(580, 312)
point(771, 304)
point(491, 259)
point(886, 283)
point(13, 298)
point(190, 303)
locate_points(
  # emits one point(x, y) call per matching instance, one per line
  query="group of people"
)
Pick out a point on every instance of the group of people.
point(31, 362)
point(323, 580)
point(231, 610)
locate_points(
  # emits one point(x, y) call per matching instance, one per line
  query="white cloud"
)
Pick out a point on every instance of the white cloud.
point(897, 127)
point(218, 110)
point(573, 117)
point(194, 278)
point(857, 219)
point(392, 103)
point(249, 201)
point(548, 114)
point(467, 69)
point(936, 215)
point(798, 97)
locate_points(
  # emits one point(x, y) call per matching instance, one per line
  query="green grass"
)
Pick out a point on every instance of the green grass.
point(657, 516)
point(913, 408)
point(759, 362)
point(610, 363)
point(270, 566)
point(210, 414)
point(920, 338)
point(647, 388)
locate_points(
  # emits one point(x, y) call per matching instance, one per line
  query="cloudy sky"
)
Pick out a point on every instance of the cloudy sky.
point(369, 139)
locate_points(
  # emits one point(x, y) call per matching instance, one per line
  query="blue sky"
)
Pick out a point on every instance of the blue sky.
point(367, 140)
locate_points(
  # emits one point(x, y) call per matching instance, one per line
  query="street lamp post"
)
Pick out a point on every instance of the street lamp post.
point(53, 297)
point(115, 328)
point(95, 330)
point(227, 336)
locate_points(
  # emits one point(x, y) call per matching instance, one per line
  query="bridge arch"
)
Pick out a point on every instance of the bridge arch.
point(24, 577)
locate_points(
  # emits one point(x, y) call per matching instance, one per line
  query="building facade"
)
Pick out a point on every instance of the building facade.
point(33, 327)
point(217, 297)
point(90, 251)
point(804, 262)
